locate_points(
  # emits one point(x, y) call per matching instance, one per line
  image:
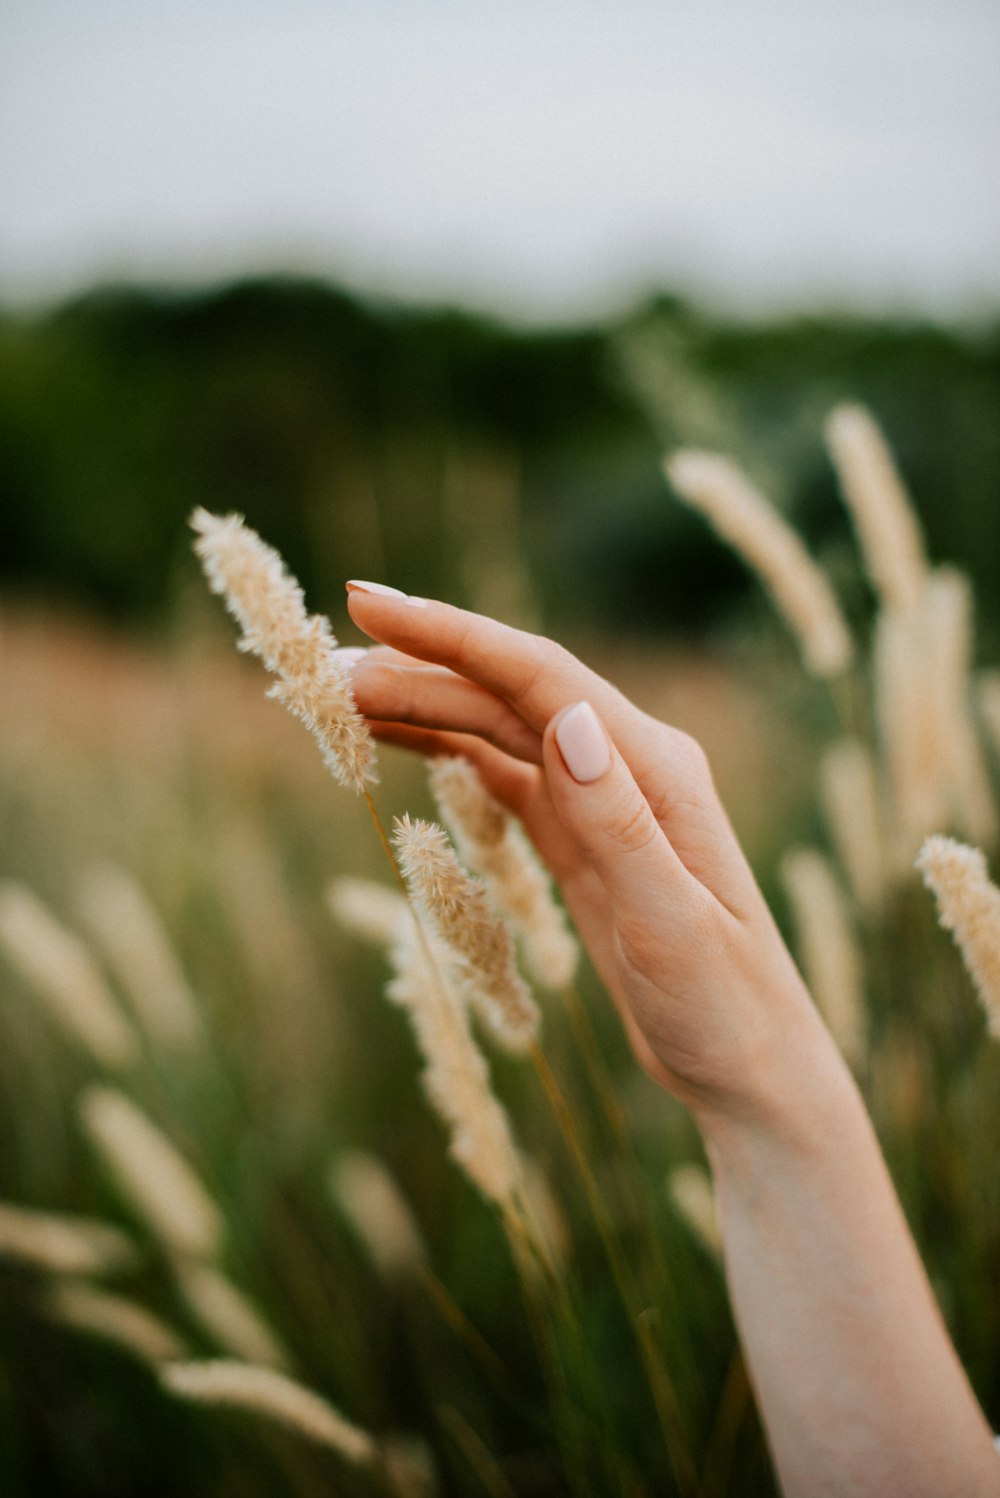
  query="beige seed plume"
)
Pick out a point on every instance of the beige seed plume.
point(130, 935)
point(368, 909)
point(743, 517)
point(830, 957)
point(493, 845)
point(937, 774)
point(378, 1212)
point(116, 1319)
point(152, 1175)
point(988, 695)
point(949, 601)
point(968, 905)
point(885, 521)
point(63, 1245)
point(693, 1195)
point(229, 1318)
point(268, 605)
point(60, 969)
point(273, 1396)
point(458, 909)
point(849, 796)
point(456, 1078)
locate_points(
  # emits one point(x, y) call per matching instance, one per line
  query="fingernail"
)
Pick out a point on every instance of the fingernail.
point(415, 603)
point(348, 656)
point(381, 588)
point(582, 743)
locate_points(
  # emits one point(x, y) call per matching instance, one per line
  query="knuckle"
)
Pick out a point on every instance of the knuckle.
point(631, 823)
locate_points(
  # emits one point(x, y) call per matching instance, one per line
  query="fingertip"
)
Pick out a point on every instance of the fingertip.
point(582, 742)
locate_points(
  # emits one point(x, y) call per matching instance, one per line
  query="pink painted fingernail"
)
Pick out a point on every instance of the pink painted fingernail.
point(382, 589)
point(582, 743)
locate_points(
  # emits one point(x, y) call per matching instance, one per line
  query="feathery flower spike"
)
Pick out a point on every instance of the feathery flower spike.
point(116, 1319)
point(65, 977)
point(830, 958)
point(229, 1318)
point(128, 931)
point(849, 796)
point(883, 516)
point(494, 846)
point(968, 905)
point(266, 1392)
point(743, 517)
point(152, 1175)
point(456, 1078)
point(378, 1212)
point(267, 603)
point(459, 910)
point(63, 1245)
point(368, 909)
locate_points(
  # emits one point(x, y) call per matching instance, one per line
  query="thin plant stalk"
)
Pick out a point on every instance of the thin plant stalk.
point(661, 1387)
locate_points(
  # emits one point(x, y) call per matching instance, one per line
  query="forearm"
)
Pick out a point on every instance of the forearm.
point(858, 1383)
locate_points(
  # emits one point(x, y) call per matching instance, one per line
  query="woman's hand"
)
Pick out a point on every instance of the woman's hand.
point(623, 810)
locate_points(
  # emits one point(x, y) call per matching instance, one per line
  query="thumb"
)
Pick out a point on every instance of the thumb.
point(596, 797)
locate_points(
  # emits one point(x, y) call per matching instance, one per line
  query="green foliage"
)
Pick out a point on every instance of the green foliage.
point(332, 423)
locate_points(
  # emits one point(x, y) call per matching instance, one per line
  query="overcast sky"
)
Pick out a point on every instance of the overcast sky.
point(542, 158)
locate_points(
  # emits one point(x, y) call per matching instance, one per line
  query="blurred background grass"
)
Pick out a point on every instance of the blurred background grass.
point(506, 466)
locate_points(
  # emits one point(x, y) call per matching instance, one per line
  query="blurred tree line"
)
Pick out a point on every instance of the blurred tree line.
point(454, 456)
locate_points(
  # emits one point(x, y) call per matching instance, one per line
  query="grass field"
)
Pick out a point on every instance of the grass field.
point(163, 762)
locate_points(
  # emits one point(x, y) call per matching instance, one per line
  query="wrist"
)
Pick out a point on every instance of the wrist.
point(797, 1099)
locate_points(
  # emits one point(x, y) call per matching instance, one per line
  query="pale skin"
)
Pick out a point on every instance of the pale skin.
point(859, 1386)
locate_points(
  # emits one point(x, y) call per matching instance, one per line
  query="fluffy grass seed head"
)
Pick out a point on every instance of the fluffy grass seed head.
point(229, 1318)
point(152, 1175)
point(493, 845)
point(128, 931)
point(459, 910)
point(742, 516)
point(456, 1078)
point(378, 1212)
point(59, 1244)
point(367, 909)
point(827, 947)
point(949, 603)
point(884, 519)
point(968, 904)
point(937, 774)
point(693, 1195)
point(115, 1319)
point(63, 974)
point(849, 795)
point(273, 1396)
point(267, 603)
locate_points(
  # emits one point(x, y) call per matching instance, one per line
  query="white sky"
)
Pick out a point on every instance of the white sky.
point(541, 158)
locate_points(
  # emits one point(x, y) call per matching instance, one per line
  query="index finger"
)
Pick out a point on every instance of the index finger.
point(535, 676)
